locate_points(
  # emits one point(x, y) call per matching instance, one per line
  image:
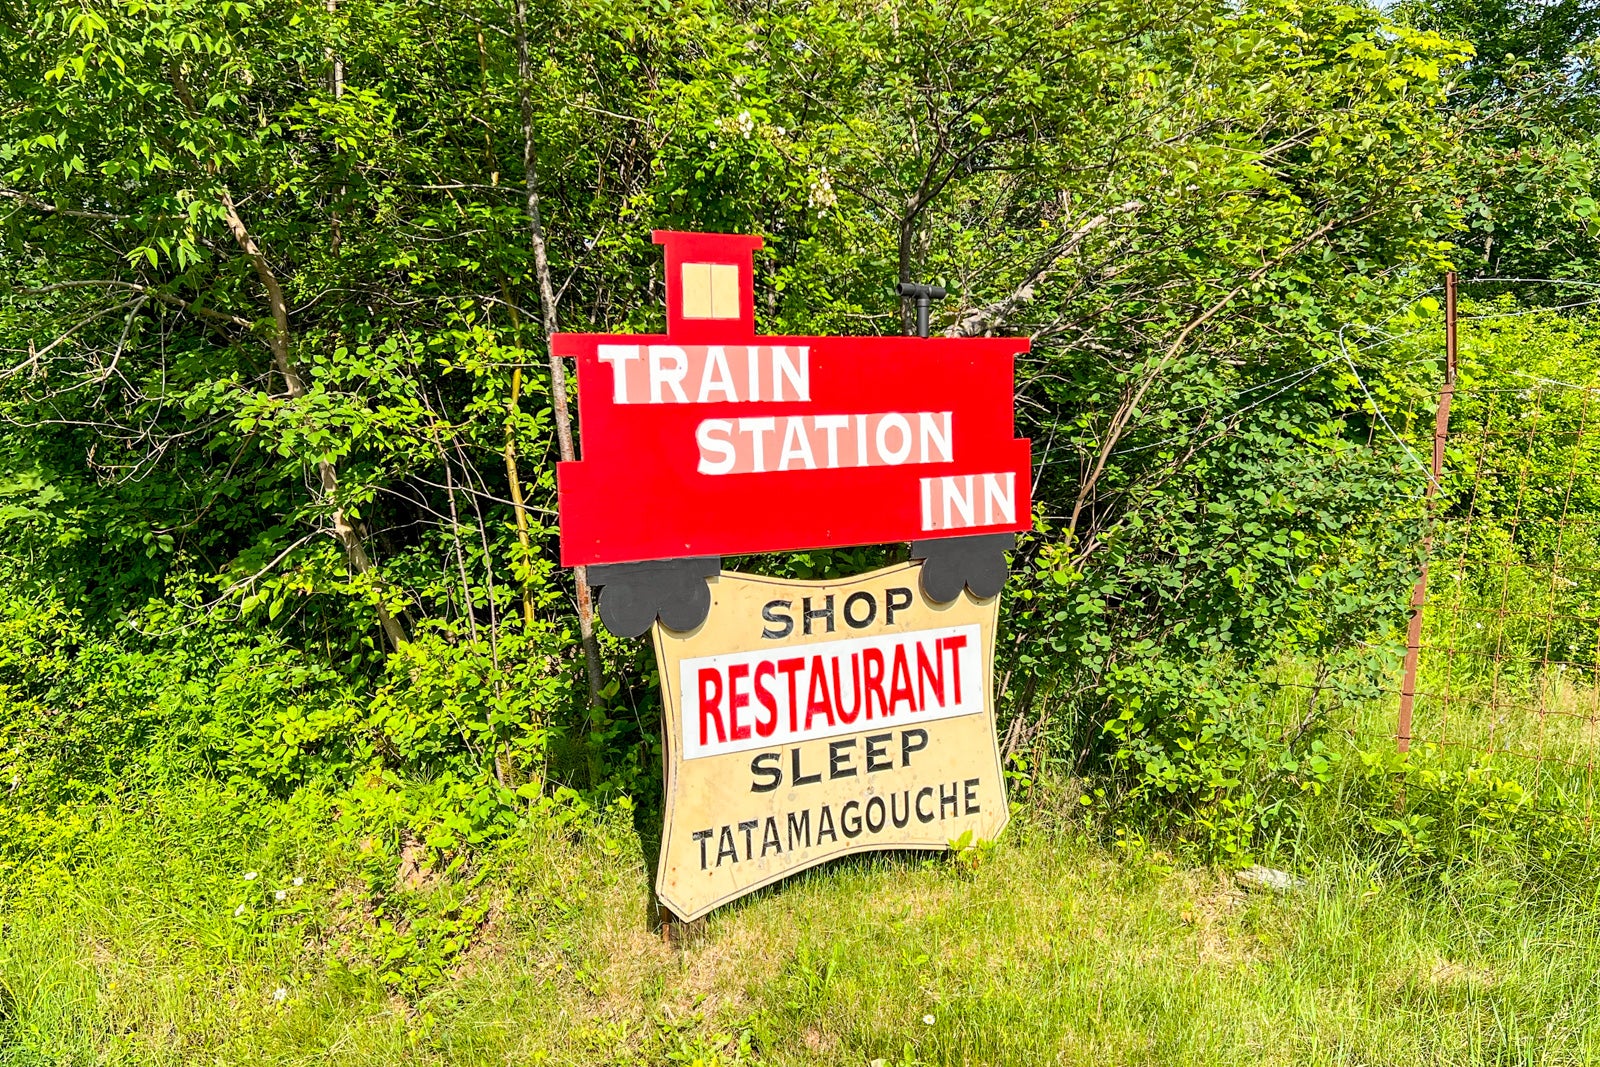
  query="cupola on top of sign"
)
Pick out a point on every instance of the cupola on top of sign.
point(710, 285)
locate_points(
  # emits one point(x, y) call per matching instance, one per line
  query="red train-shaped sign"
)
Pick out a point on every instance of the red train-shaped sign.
point(710, 441)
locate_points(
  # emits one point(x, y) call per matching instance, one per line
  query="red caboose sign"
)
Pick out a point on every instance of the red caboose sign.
point(710, 440)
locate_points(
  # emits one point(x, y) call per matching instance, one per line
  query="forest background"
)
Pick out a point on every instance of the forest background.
point(278, 426)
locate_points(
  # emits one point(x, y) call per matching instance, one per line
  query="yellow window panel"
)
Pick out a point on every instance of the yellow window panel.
point(697, 291)
point(724, 291)
point(710, 291)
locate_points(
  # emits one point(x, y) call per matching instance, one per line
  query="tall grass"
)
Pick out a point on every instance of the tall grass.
point(1052, 949)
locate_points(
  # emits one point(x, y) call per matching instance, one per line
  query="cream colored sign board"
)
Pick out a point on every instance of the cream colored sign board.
point(810, 720)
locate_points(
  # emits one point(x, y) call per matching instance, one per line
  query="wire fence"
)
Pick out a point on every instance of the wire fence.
point(1504, 658)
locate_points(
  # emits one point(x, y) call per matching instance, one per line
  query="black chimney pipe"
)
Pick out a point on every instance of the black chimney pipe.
point(924, 295)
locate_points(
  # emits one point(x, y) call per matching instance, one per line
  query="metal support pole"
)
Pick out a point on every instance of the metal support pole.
point(1419, 596)
point(924, 295)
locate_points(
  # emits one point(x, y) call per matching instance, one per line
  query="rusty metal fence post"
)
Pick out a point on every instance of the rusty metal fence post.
point(1419, 596)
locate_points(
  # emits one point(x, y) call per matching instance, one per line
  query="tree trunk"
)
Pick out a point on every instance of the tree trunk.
point(514, 476)
point(547, 305)
point(338, 63)
point(345, 531)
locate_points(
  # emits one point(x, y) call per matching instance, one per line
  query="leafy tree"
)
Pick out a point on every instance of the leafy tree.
point(1526, 107)
point(1511, 36)
point(278, 281)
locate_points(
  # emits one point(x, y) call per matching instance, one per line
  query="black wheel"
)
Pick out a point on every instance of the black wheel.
point(951, 564)
point(634, 595)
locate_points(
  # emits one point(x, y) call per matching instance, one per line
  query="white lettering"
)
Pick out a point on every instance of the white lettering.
point(796, 445)
point(831, 425)
point(824, 442)
point(928, 425)
point(618, 356)
point(896, 421)
point(798, 376)
point(756, 428)
point(962, 500)
point(660, 375)
point(716, 376)
point(999, 489)
point(951, 502)
point(704, 434)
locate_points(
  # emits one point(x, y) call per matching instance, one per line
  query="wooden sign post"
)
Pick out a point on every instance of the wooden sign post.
point(810, 720)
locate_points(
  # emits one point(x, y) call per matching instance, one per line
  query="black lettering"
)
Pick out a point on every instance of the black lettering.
point(797, 778)
point(766, 766)
point(896, 599)
point(925, 792)
point(800, 829)
point(970, 796)
point(948, 800)
point(882, 814)
point(748, 825)
point(861, 596)
point(839, 759)
point(878, 758)
point(726, 847)
point(850, 819)
point(824, 612)
point(907, 747)
point(770, 842)
point(702, 836)
point(768, 614)
point(895, 815)
point(825, 825)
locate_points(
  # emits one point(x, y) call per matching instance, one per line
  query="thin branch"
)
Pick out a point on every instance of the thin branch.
point(145, 290)
point(1126, 410)
point(991, 316)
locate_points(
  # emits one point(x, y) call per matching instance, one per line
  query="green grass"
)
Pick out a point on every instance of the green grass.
point(1541, 728)
point(1052, 950)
